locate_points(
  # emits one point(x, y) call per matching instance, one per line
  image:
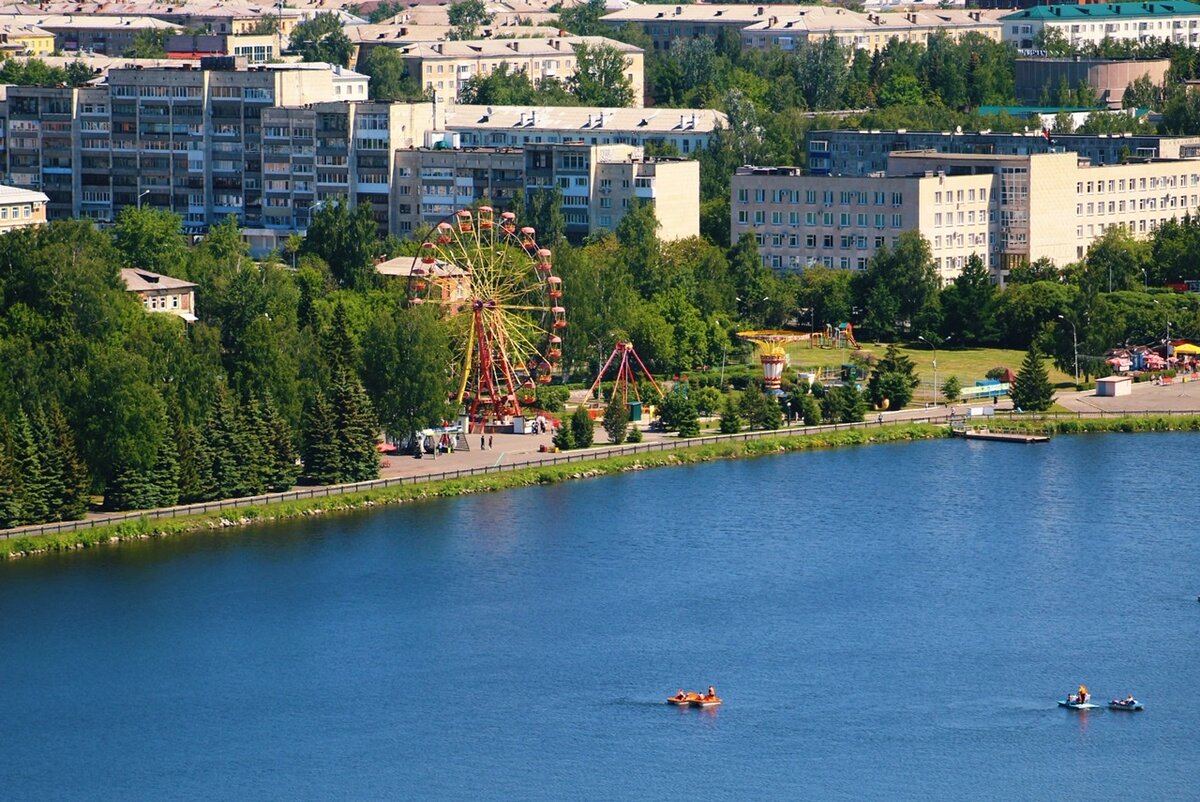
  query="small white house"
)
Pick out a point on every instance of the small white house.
point(1112, 386)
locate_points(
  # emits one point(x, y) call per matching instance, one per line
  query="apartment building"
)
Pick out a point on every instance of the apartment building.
point(445, 67)
point(368, 37)
point(184, 139)
point(21, 208)
point(599, 183)
point(255, 49)
point(19, 37)
point(858, 153)
point(83, 32)
point(687, 130)
point(786, 26)
point(430, 184)
point(211, 16)
point(1007, 209)
point(1177, 21)
point(866, 31)
point(321, 151)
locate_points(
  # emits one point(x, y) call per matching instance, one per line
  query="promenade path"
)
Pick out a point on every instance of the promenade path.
point(1145, 397)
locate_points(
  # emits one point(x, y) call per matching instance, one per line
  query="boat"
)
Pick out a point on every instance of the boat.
point(706, 701)
point(1077, 705)
point(682, 702)
point(1119, 704)
point(694, 700)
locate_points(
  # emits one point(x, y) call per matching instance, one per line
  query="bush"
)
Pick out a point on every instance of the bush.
point(996, 374)
point(583, 431)
point(616, 421)
point(708, 400)
point(952, 389)
point(633, 436)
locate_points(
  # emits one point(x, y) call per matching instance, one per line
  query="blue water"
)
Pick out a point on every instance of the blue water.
point(891, 622)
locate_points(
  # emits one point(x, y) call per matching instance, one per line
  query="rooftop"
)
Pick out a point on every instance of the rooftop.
point(145, 281)
point(18, 195)
point(136, 23)
point(583, 119)
point(1106, 11)
point(496, 48)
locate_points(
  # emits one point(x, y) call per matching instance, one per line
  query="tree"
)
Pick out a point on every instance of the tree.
point(73, 474)
point(466, 17)
point(150, 239)
point(760, 410)
point(406, 354)
point(731, 421)
point(347, 240)
point(708, 400)
point(390, 80)
point(1115, 261)
point(892, 381)
point(149, 43)
point(641, 250)
point(897, 285)
point(322, 39)
point(843, 404)
point(952, 389)
point(583, 19)
point(563, 439)
point(1032, 391)
point(616, 421)
point(599, 78)
point(321, 454)
point(1042, 269)
point(266, 25)
point(583, 431)
point(968, 305)
point(544, 211)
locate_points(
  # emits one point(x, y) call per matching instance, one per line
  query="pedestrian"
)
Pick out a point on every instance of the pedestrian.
point(880, 419)
point(482, 443)
point(489, 441)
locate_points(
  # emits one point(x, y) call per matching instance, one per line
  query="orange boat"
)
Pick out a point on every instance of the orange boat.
point(694, 700)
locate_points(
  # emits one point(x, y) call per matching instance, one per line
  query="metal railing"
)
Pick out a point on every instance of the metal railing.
point(941, 416)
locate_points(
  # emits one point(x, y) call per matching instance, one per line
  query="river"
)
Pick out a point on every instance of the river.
point(890, 622)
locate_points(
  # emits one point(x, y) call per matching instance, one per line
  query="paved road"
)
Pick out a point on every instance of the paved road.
point(1146, 397)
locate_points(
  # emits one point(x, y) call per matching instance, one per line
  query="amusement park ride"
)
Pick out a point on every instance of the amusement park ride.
point(504, 307)
point(772, 353)
point(626, 382)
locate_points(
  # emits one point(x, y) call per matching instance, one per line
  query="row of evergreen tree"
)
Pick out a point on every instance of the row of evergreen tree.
point(42, 477)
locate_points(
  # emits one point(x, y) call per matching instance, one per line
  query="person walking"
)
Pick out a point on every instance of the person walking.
point(482, 442)
point(489, 441)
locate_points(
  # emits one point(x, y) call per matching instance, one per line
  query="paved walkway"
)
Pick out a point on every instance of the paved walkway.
point(1146, 397)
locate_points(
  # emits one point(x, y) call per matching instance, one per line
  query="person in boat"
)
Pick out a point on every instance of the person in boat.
point(1083, 694)
point(681, 695)
point(712, 692)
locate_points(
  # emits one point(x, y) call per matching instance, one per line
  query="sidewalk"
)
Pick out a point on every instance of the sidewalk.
point(1146, 397)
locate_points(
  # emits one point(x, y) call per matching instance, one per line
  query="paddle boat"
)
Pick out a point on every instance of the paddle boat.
point(686, 699)
point(1128, 703)
point(1077, 705)
point(706, 701)
point(682, 699)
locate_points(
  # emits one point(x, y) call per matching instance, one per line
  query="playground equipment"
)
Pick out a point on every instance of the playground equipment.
point(839, 336)
point(503, 306)
point(772, 353)
point(625, 385)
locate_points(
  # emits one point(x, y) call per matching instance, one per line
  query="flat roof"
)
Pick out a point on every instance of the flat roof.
point(1059, 12)
point(583, 120)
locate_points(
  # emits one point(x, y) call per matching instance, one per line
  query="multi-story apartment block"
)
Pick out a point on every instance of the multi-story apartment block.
point(431, 184)
point(785, 27)
point(19, 37)
point(869, 31)
point(95, 34)
point(847, 152)
point(1177, 21)
point(255, 49)
point(443, 68)
point(322, 151)
point(687, 130)
point(1007, 209)
point(184, 139)
point(599, 183)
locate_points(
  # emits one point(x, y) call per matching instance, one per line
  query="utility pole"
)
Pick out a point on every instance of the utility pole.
point(1074, 347)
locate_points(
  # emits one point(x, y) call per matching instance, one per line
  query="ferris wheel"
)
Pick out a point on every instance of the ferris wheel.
point(503, 305)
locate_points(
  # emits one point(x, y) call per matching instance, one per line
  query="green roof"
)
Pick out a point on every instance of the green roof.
point(1106, 11)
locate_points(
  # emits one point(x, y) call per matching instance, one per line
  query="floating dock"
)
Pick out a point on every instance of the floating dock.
point(1001, 437)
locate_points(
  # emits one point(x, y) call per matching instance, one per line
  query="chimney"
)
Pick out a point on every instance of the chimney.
point(678, 11)
point(759, 11)
point(771, 21)
point(437, 48)
point(514, 46)
point(521, 121)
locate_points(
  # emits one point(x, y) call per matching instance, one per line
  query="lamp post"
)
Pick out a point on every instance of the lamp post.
point(789, 411)
point(140, 196)
point(1074, 346)
point(935, 375)
point(1167, 316)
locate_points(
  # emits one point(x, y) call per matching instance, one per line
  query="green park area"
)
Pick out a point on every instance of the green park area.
point(968, 364)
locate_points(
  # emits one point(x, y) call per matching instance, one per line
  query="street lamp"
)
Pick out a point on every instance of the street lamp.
point(935, 376)
point(789, 412)
point(1167, 315)
point(1074, 347)
point(142, 195)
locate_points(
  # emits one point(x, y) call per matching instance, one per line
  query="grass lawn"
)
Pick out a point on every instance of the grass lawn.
point(968, 364)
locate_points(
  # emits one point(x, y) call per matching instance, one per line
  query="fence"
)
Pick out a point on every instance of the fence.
point(940, 416)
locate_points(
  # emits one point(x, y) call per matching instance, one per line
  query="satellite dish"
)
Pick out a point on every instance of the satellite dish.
point(489, 109)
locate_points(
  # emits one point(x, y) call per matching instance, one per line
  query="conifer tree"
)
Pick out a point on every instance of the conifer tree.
point(281, 447)
point(53, 489)
point(1032, 390)
point(731, 421)
point(132, 487)
point(563, 439)
point(256, 437)
point(355, 430)
point(616, 421)
point(10, 480)
point(583, 431)
point(35, 503)
point(196, 481)
point(322, 457)
point(223, 430)
point(893, 380)
point(164, 475)
point(74, 479)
